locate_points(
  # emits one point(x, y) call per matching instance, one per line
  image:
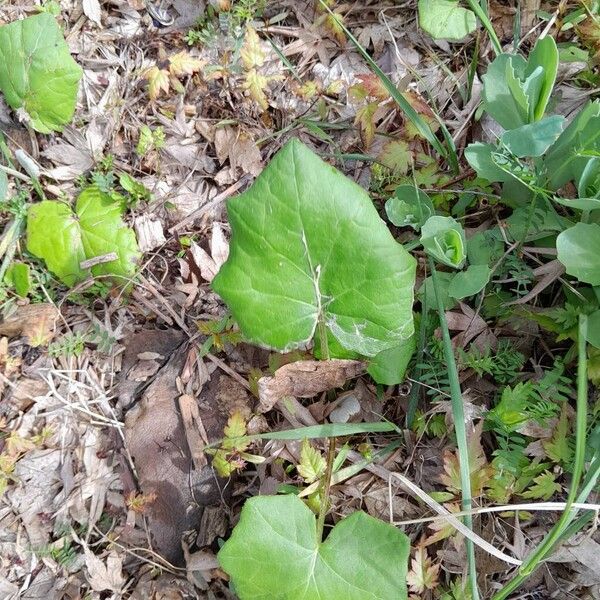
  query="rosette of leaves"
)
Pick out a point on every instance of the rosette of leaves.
point(37, 72)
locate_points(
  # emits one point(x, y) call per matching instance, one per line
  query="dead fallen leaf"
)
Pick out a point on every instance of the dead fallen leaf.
point(306, 378)
point(36, 322)
point(104, 576)
point(149, 233)
point(231, 143)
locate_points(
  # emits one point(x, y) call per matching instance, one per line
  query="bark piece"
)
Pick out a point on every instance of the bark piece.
point(305, 379)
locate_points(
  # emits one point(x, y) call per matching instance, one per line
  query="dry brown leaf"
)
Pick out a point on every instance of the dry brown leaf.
point(231, 143)
point(36, 322)
point(103, 576)
point(306, 378)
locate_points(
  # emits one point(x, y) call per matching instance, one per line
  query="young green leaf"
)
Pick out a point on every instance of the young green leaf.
point(444, 239)
point(543, 488)
point(96, 231)
point(409, 206)
point(299, 260)
point(312, 464)
point(481, 157)
point(544, 56)
point(578, 250)
point(274, 552)
point(18, 274)
point(470, 282)
point(37, 71)
point(446, 19)
point(565, 160)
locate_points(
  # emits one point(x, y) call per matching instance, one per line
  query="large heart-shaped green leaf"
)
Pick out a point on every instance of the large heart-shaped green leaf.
point(64, 240)
point(274, 552)
point(309, 247)
point(37, 71)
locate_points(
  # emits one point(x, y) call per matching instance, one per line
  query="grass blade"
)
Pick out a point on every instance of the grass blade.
point(412, 115)
point(485, 21)
point(458, 415)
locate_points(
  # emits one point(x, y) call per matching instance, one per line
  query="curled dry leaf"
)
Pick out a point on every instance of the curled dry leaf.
point(306, 378)
point(36, 322)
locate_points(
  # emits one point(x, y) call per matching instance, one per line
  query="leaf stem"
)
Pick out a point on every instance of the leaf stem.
point(324, 508)
point(556, 533)
point(323, 343)
point(458, 415)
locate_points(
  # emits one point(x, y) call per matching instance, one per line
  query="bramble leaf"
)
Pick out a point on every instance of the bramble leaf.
point(423, 574)
point(543, 488)
point(312, 464)
point(274, 552)
point(298, 257)
point(37, 71)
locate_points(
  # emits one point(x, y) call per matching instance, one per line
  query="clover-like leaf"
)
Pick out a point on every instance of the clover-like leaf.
point(37, 71)
point(309, 248)
point(274, 552)
point(446, 19)
point(94, 233)
point(444, 239)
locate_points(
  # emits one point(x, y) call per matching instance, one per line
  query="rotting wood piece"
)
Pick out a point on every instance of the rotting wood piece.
point(156, 439)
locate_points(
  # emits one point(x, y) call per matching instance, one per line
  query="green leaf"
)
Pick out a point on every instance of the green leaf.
point(446, 19)
point(64, 239)
point(557, 448)
point(480, 157)
point(515, 91)
point(511, 412)
point(308, 249)
point(579, 251)
point(565, 160)
point(409, 207)
point(544, 487)
point(497, 92)
point(18, 275)
point(588, 185)
point(444, 280)
point(470, 282)
point(274, 552)
point(389, 367)
point(327, 430)
point(545, 56)
point(444, 239)
point(37, 71)
point(593, 329)
point(312, 464)
point(533, 139)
